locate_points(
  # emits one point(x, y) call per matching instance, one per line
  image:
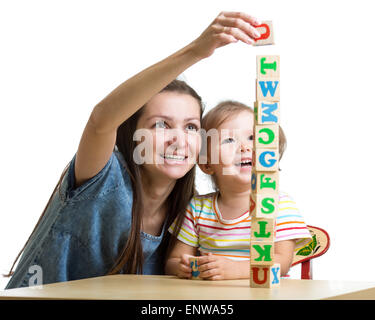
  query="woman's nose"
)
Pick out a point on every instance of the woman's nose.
point(178, 138)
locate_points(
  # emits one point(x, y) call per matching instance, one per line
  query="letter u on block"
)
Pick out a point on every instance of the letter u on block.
point(259, 276)
point(265, 276)
point(266, 31)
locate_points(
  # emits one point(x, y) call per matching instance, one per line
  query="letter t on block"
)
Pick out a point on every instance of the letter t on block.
point(265, 276)
point(268, 67)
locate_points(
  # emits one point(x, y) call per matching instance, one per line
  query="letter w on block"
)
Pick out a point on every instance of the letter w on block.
point(268, 90)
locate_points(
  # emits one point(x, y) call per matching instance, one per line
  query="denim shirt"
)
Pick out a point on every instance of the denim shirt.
point(84, 229)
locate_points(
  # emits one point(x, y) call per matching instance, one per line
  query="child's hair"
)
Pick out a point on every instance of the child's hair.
point(222, 112)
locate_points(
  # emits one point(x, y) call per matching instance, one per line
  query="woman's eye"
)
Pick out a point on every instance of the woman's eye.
point(192, 127)
point(160, 124)
point(228, 140)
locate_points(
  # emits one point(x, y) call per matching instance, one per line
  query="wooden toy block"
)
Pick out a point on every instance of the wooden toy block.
point(194, 266)
point(268, 89)
point(264, 182)
point(266, 112)
point(264, 276)
point(266, 34)
point(268, 67)
point(263, 229)
point(265, 159)
point(261, 253)
point(266, 136)
point(264, 206)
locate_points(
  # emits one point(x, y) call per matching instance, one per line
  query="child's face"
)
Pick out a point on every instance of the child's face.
point(234, 148)
point(170, 123)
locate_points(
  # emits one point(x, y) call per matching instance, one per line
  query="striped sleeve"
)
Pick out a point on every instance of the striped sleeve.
point(187, 234)
point(289, 223)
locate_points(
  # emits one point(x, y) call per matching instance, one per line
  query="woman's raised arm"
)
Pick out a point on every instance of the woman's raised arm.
point(99, 136)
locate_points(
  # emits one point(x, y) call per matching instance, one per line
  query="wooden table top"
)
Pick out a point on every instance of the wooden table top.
point(141, 287)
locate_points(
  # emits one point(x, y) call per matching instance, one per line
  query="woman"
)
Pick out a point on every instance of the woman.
point(109, 211)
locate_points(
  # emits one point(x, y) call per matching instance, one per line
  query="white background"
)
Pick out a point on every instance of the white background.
point(59, 58)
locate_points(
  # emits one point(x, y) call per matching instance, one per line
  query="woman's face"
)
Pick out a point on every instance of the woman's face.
point(168, 131)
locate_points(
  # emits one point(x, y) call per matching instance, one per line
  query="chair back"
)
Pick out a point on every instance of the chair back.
point(306, 251)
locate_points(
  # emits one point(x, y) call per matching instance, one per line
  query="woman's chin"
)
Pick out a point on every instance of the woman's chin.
point(174, 171)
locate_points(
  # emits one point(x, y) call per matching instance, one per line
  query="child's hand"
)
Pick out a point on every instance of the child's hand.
point(228, 27)
point(213, 267)
point(184, 270)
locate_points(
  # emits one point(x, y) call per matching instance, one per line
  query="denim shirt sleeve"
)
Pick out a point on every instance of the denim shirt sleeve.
point(90, 187)
point(83, 229)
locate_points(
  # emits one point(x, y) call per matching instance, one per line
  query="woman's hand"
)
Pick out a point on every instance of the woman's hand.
point(228, 27)
point(213, 267)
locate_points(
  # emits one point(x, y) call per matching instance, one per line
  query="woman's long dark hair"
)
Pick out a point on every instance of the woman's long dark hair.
point(130, 259)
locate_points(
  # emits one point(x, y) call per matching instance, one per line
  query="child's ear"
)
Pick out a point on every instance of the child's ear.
point(206, 168)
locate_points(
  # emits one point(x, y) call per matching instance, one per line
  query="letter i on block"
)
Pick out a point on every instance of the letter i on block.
point(265, 276)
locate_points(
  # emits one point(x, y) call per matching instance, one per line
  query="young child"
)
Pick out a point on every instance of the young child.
point(216, 226)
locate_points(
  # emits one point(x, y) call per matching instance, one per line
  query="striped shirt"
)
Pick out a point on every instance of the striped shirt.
point(204, 227)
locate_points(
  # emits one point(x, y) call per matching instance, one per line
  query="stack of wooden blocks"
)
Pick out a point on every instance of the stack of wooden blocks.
point(264, 198)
